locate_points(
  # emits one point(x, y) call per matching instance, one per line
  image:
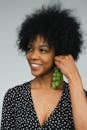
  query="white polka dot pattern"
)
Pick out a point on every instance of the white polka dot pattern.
point(18, 111)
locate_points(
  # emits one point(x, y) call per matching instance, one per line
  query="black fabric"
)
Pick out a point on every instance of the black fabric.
point(18, 111)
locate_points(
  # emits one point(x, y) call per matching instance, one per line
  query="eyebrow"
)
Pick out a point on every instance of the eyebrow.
point(44, 45)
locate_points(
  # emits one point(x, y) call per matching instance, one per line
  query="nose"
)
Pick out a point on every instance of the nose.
point(34, 55)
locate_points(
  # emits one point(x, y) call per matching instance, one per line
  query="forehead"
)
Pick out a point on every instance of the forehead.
point(38, 41)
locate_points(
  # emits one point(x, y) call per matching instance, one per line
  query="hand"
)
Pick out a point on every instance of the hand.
point(67, 65)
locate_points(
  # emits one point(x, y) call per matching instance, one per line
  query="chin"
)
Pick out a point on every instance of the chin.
point(38, 74)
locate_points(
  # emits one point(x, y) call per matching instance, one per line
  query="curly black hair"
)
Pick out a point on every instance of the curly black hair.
point(57, 26)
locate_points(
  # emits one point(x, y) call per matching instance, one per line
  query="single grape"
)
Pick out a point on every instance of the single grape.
point(53, 85)
point(54, 79)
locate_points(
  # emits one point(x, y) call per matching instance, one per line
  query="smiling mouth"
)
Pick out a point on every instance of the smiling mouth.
point(35, 65)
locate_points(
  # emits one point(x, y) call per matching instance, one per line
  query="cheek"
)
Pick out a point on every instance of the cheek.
point(50, 60)
point(28, 57)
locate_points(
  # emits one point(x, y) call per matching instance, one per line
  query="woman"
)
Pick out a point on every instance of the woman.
point(52, 40)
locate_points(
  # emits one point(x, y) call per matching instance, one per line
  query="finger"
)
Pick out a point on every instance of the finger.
point(60, 58)
point(65, 57)
point(59, 64)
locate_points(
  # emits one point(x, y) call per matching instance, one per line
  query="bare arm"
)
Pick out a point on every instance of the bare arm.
point(78, 98)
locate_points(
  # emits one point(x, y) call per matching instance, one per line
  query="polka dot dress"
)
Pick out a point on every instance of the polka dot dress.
point(18, 111)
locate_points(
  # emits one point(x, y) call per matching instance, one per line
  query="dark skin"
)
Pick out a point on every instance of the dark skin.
point(78, 98)
point(41, 59)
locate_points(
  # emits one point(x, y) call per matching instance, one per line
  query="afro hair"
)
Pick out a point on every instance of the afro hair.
point(57, 26)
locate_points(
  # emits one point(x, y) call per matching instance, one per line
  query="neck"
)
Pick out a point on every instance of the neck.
point(43, 82)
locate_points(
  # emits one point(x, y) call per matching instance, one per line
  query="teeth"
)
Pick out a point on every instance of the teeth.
point(35, 65)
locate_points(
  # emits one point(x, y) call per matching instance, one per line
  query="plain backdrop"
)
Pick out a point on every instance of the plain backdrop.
point(14, 68)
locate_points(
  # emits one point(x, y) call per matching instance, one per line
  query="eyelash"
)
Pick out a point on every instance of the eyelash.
point(44, 50)
point(29, 49)
point(41, 50)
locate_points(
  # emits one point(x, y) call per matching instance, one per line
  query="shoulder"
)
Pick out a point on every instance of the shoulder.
point(17, 88)
point(16, 91)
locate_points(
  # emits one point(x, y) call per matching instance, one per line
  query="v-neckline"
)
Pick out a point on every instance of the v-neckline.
point(52, 113)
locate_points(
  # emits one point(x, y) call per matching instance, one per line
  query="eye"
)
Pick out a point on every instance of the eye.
point(29, 49)
point(44, 50)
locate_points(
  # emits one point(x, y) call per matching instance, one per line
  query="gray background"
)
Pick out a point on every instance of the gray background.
point(13, 65)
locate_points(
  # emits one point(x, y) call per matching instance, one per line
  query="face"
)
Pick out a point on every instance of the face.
point(40, 57)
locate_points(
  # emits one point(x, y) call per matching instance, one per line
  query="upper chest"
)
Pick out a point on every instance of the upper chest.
point(43, 108)
point(44, 103)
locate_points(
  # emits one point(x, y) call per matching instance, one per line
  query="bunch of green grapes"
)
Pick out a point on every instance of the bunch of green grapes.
point(57, 78)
